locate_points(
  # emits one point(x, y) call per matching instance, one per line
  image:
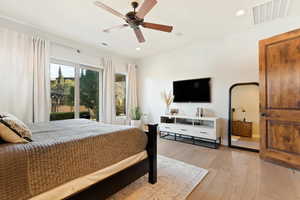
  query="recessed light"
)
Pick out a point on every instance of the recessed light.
point(179, 34)
point(104, 44)
point(138, 48)
point(240, 13)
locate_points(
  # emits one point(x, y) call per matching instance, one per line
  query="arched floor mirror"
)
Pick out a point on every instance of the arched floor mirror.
point(243, 127)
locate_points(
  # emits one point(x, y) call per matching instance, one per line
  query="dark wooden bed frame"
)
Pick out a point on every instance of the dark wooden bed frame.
point(118, 181)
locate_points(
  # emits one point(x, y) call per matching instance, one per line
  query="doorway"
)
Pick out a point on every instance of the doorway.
point(243, 127)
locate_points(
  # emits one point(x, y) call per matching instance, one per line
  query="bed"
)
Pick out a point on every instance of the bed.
point(76, 159)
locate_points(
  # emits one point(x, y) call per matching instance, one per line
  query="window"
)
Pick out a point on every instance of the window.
point(62, 90)
point(75, 91)
point(89, 93)
point(120, 94)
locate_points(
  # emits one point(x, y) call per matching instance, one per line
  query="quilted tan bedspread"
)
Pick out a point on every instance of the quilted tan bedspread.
point(62, 151)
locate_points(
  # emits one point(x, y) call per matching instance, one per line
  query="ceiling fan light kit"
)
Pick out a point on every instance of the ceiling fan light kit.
point(135, 19)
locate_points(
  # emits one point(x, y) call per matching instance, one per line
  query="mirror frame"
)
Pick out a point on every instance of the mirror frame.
point(230, 117)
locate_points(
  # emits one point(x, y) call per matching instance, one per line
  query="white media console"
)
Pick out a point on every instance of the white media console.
point(196, 130)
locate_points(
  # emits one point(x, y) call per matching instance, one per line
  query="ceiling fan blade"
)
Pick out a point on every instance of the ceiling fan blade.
point(158, 27)
point(139, 35)
point(109, 9)
point(115, 27)
point(145, 8)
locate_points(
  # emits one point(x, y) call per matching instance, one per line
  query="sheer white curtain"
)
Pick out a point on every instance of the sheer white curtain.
point(132, 88)
point(16, 74)
point(41, 80)
point(108, 91)
point(23, 84)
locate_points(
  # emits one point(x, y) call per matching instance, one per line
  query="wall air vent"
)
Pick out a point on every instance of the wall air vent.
point(270, 10)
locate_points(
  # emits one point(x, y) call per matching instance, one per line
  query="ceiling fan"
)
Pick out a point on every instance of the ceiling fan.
point(135, 19)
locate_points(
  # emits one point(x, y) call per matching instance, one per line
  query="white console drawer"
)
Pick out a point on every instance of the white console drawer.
point(208, 134)
point(211, 134)
point(195, 131)
point(165, 129)
point(170, 130)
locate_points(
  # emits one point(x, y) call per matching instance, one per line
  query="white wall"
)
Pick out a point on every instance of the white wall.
point(228, 61)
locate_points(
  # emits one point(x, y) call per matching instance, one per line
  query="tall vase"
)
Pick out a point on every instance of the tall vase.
point(167, 112)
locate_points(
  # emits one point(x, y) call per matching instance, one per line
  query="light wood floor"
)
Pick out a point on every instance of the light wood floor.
point(252, 143)
point(234, 174)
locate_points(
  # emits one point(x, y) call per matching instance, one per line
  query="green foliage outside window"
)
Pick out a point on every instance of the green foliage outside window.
point(89, 92)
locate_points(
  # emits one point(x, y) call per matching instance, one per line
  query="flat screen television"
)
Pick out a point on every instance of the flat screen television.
point(195, 91)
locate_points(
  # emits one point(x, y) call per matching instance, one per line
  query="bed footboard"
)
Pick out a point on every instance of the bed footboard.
point(116, 182)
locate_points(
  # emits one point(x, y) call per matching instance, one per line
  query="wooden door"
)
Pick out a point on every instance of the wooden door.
point(280, 99)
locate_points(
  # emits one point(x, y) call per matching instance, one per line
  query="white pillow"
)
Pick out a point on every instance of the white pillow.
point(13, 130)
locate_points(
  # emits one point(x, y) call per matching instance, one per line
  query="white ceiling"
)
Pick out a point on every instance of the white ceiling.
point(80, 20)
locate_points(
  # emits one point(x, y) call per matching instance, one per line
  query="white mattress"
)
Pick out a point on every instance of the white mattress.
point(81, 183)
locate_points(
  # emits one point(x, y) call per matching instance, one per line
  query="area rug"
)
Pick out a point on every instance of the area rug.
point(176, 180)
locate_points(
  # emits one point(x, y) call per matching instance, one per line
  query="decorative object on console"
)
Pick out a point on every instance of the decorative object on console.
point(200, 112)
point(168, 99)
point(174, 111)
point(136, 116)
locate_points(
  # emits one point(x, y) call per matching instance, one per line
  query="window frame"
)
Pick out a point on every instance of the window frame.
point(126, 96)
point(65, 63)
point(77, 67)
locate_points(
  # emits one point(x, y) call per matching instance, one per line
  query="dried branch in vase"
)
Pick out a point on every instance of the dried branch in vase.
point(168, 98)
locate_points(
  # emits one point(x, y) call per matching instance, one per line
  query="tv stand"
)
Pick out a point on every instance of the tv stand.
point(203, 131)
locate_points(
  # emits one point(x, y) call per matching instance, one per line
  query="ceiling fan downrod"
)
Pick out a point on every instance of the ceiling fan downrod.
point(135, 4)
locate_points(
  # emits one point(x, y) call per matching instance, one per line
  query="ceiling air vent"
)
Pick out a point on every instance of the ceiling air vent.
point(270, 10)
